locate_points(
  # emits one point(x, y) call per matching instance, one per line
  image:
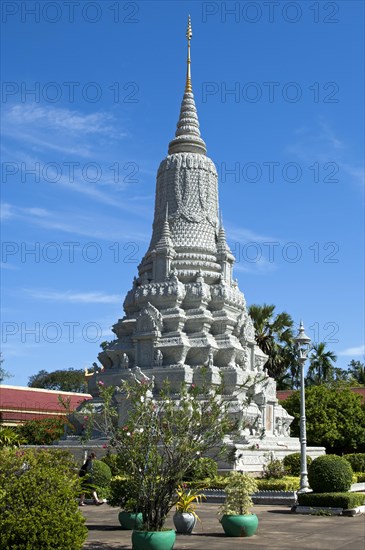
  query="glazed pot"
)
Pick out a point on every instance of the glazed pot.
point(130, 520)
point(240, 526)
point(153, 540)
point(184, 522)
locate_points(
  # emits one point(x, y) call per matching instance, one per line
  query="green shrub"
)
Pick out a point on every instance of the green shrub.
point(101, 478)
point(38, 507)
point(42, 432)
point(112, 461)
point(332, 500)
point(360, 477)
point(285, 484)
point(273, 469)
point(122, 493)
point(292, 463)
point(357, 461)
point(330, 474)
point(202, 468)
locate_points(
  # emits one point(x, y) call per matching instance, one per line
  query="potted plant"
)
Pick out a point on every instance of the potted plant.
point(159, 438)
point(236, 520)
point(185, 516)
point(121, 488)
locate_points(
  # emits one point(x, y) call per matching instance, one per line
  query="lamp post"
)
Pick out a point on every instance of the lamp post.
point(303, 344)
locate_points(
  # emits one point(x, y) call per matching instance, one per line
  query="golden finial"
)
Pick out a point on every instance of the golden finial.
point(189, 35)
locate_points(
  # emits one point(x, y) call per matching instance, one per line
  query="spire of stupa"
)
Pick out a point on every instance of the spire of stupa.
point(187, 137)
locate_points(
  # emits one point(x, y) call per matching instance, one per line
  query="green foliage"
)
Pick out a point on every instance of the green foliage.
point(273, 469)
point(321, 368)
point(332, 500)
point(357, 372)
point(202, 468)
point(101, 478)
point(62, 379)
point(239, 489)
point(335, 418)
point(112, 461)
point(292, 463)
point(161, 438)
point(9, 437)
point(360, 478)
point(38, 508)
point(285, 484)
point(42, 432)
point(357, 461)
point(330, 474)
point(121, 489)
point(3, 373)
point(187, 499)
point(275, 337)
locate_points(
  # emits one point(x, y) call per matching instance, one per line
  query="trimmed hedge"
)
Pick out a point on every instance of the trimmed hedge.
point(332, 500)
point(360, 478)
point(285, 484)
point(357, 461)
point(330, 474)
point(101, 478)
point(292, 463)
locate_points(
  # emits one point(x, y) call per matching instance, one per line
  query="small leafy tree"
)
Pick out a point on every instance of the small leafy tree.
point(239, 489)
point(62, 380)
point(160, 439)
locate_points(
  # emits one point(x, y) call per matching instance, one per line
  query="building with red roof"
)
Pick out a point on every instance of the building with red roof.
point(19, 404)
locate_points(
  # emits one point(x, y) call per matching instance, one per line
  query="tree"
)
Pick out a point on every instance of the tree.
point(3, 373)
point(357, 372)
point(335, 418)
point(274, 336)
point(321, 368)
point(62, 380)
point(160, 438)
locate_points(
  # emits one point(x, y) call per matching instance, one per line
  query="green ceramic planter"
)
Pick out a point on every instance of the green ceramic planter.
point(153, 540)
point(130, 521)
point(240, 526)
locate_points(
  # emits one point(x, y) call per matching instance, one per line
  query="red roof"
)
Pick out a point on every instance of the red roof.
point(18, 404)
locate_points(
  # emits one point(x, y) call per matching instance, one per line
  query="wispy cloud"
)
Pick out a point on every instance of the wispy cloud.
point(48, 128)
point(107, 228)
point(355, 351)
point(320, 143)
point(73, 297)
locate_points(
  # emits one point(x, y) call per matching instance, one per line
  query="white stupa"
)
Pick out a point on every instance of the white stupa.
point(185, 311)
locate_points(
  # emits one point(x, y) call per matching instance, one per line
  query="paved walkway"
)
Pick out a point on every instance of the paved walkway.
point(279, 529)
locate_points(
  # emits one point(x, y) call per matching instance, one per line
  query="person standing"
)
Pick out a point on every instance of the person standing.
point(87, 470)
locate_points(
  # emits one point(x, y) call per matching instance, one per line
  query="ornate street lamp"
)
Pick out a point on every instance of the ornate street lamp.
point(303, 344)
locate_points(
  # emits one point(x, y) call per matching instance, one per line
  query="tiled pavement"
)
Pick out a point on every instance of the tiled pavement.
point(279, 529)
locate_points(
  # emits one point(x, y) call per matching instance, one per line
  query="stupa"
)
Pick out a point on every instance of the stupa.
point(185, 311)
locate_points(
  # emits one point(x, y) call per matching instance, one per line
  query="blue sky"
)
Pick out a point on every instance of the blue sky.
point(279, 91)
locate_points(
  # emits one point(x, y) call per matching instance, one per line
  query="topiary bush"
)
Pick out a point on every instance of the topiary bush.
point(202, 468)
point(38, 506)
point(292, 463)
point(112, 461)
point(330, 474)
point(357, 461)
point(101, 478)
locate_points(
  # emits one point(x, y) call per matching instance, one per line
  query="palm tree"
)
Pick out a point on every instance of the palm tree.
point(321, 368)
point(274, 336)
point(357, 371)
